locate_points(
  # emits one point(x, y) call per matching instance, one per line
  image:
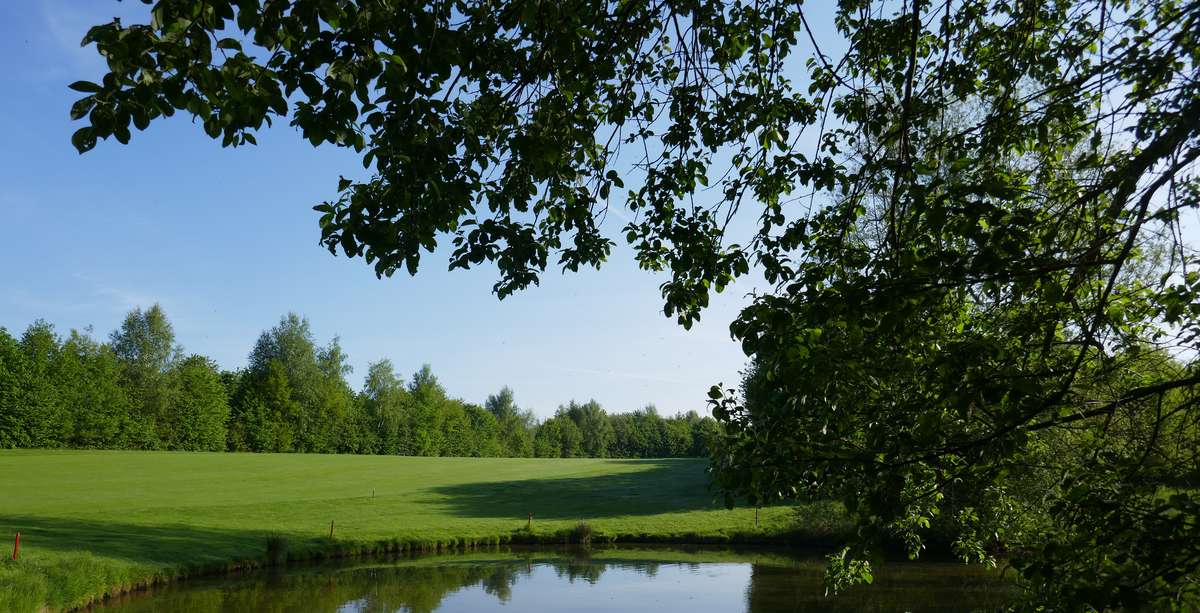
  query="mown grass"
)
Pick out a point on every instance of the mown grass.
point(101, 522)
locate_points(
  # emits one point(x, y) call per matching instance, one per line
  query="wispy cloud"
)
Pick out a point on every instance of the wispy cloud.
point(64, 24)
point(123, 299)
point(89, 296)
point(114, 297)
point(28, 301)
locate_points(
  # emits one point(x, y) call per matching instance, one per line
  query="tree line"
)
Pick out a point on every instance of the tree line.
point(140, 390)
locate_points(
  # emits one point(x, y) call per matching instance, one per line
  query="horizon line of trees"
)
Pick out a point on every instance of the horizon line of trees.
point(140, 390)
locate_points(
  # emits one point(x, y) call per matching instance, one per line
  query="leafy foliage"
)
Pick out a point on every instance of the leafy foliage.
point(516, 426)
point(595, 429)
point(201, 407)
point(558, 437)
point(145, 346)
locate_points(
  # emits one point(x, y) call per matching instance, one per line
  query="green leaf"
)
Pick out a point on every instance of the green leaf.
point(84, 139)
point(81, 107)
point(86, 87)
point(397, 61)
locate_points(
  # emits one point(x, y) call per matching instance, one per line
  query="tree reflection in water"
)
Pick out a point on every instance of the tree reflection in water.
point(536, 581)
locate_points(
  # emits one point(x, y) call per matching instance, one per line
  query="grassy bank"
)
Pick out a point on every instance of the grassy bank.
point(96, 522)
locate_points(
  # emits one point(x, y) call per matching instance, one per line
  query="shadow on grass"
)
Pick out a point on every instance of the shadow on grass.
point(163, 545)
point(658, 486)
point(663, 486)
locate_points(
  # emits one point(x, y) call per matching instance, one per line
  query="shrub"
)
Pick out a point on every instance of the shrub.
point(581, 534)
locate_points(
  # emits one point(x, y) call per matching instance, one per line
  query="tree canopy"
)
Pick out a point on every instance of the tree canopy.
point(968, 218)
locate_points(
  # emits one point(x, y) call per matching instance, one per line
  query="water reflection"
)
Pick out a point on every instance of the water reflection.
point(660, 580)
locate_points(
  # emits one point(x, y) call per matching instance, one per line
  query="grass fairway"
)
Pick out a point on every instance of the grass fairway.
point(96, 521)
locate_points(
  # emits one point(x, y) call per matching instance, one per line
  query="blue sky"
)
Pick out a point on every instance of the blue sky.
point(226, 241)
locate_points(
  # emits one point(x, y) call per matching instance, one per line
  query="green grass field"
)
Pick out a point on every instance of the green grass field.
point(101, 521)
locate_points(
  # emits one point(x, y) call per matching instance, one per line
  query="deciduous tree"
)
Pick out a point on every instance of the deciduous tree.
point(201, 407)
point(145, 345)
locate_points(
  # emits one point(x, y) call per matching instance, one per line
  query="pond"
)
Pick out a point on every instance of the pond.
point(663, 580)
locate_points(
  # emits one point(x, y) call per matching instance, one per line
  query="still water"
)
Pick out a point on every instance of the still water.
point(543, 580)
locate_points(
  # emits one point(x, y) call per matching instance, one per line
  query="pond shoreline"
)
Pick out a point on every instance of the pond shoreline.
point(334, 549)
point(786, 543)
point(781, 576)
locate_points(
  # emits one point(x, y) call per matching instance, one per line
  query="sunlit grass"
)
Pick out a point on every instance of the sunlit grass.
point(98, 521)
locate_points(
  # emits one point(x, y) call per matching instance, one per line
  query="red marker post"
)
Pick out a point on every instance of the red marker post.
point(16, 546)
